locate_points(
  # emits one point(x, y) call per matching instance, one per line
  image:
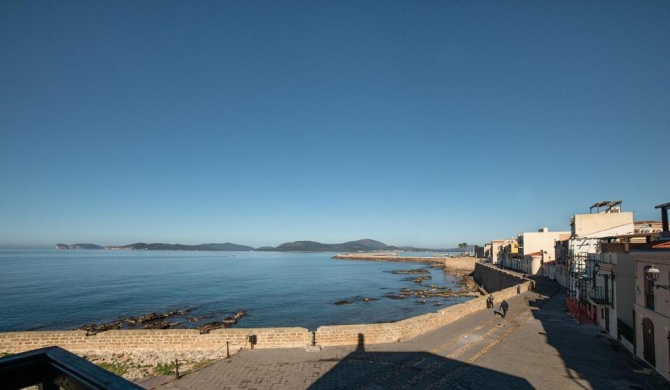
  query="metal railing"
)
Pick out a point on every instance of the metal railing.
point(54, 368)
point(600, 296)
point(626, 332)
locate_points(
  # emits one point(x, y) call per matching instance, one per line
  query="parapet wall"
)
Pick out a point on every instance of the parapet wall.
point(77, 341)
point(119, 341)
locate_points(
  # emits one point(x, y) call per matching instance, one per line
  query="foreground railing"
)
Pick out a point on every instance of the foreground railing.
point(55, 368)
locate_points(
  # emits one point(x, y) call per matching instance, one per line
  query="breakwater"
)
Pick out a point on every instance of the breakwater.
point(391, 258)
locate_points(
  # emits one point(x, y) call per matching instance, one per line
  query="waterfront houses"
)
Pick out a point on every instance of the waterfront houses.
point(616, 272)
point(528, 252)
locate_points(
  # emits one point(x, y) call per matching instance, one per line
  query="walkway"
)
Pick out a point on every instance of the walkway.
point(538, 346)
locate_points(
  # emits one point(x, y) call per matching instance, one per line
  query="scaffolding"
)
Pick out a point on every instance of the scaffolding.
point(580, 281)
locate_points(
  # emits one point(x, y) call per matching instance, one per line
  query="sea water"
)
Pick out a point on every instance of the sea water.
point(66, 289)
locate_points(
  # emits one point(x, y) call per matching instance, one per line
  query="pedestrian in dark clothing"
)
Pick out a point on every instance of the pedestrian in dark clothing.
point(489, 302)
point(518, 289)
point(504, 307)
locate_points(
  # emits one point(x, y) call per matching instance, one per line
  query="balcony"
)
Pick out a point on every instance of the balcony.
point(600, 296)
point(55, 368)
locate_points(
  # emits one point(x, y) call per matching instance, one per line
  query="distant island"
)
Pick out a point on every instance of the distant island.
point(79, 246)
point(365, 245)
point(179, 247)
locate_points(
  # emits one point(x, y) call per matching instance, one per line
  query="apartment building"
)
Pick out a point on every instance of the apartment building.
point(587, 233)
point(652, 299)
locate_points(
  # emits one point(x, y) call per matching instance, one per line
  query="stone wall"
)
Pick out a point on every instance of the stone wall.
point(78, 341)
point(118, 341)
point(496, 279)
point(406, 329)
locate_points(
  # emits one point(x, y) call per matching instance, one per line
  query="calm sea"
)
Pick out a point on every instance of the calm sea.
point(52, 289)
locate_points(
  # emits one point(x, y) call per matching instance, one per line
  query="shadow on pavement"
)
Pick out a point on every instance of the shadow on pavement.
point(363, 369)
point(591, 356)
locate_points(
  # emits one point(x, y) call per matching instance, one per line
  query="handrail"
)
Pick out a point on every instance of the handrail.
point(55, 368)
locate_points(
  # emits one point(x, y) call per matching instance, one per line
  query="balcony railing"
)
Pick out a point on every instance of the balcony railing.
point(55, 368)
point(600, 296)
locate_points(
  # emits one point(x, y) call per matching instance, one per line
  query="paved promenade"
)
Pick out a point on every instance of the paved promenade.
point(538, 346)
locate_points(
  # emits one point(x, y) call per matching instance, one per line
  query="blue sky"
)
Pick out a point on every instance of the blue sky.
point(413, 123)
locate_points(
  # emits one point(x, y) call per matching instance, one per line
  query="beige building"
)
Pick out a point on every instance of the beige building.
point(648, 227)
point(652, 305)
point(611, 293)
point(501, 249)
point(528, 252)
point(587, 228)
point(537, 249)
point(652, 299)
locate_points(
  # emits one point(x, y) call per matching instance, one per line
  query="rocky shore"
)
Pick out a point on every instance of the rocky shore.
point(135, 365)
point(166, 320)
point(461, 267)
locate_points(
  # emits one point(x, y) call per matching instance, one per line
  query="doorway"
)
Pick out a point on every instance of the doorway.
point(648, 341)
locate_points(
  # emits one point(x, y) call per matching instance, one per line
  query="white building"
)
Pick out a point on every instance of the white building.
point(538, 248)
point(587, 231)
point(652, 300)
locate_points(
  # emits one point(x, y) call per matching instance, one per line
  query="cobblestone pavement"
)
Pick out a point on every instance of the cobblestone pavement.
point(537, 346)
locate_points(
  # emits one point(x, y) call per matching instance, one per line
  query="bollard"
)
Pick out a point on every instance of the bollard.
point(176, 369)
point(227, 351)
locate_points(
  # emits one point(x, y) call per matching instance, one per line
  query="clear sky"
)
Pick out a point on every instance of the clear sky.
point(423, 123)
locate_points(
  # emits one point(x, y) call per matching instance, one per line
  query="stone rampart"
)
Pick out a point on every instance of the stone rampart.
point(496, 279)
point(78, 341)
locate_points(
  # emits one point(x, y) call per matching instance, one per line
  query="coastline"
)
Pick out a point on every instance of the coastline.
point(142, 362)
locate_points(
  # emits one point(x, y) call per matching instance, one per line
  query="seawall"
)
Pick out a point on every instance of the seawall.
point(493, 278)
point(391, 258)
point(190, 340)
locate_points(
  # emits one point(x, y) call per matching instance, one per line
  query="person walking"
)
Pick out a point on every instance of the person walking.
point(491, 301)
point(518, 289)
point(504, 306)
point(489, 304)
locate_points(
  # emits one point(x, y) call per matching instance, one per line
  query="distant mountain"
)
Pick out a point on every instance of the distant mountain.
point(303, 246)
point(365, 245)
point(180, 247)
point(79, 246)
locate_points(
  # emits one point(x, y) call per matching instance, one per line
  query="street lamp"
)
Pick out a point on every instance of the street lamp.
point(596, 269)
point(652, 273)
